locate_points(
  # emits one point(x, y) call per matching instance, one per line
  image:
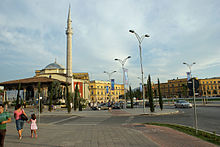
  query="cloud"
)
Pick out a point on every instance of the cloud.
point(32, 35)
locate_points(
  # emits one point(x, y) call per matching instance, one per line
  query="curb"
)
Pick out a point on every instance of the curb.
point(157, 114)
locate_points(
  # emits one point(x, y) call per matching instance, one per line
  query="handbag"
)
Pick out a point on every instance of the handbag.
point(23, 117)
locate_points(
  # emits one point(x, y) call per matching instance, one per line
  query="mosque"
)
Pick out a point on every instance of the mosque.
point(52, 72)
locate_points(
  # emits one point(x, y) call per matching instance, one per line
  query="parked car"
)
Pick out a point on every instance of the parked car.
point(103, 106)
point(116, 106)
point(182, 104)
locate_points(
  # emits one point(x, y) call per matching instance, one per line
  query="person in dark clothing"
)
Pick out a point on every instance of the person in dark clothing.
point(4, 118)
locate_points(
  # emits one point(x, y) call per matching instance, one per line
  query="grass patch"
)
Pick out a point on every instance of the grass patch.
point(210, 137)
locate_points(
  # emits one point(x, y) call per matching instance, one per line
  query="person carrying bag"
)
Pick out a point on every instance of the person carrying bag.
point(20, 117)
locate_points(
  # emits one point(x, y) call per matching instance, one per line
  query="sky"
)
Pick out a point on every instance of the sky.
point(32, 35)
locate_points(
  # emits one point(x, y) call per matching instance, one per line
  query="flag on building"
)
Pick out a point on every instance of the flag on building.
point(126, 76)
point(106, 89)
point(112, 84)
point(141, 87)
point(188, 75)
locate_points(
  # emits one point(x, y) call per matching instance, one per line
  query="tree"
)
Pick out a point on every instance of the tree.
point(137, 93)
point(39, 94)
point(57, 90)
point(68, 98)
point(160, 96)
point(185, 89)
point(76, 98)
point(150, 94)
point(18, 94)
point(131, 97)
point(50, 92)
point(55, 93)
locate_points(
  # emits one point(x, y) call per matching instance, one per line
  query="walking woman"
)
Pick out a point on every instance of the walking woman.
point(19, 122)
point(4, 118)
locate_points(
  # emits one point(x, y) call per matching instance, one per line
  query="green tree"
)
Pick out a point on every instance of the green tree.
point(39, 94)
point(50, 93)
point(160, 96)
point(76, 98)
point(137, 93)
point(68, 98)
point(80, 103)
point(55, 93)
point(150, 94)
point(57, 90)
point(131, 97)
point(18, 94)
point(184, 86)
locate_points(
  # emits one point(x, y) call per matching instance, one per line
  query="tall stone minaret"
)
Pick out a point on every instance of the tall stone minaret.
point(69, 33)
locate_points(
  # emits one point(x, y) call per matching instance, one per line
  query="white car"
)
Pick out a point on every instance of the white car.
point(182, 104)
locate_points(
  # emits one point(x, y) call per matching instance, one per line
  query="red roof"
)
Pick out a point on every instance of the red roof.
point(30, 80)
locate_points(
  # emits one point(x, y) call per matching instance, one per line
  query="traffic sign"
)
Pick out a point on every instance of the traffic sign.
point(190, 84)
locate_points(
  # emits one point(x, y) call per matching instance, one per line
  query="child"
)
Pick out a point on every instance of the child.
point(33, 121)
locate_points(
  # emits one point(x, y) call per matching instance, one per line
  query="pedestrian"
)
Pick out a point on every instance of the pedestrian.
point(19, 122)
point(33, 122)
point(4, 118)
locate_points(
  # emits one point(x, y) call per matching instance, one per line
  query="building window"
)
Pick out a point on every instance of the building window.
point(211, 82)
point(92, 92)
point(98, 93)
point(207, 82)
point(214, 81)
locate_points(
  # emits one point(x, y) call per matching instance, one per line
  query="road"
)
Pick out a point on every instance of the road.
point(208, 118)
point(113, 129)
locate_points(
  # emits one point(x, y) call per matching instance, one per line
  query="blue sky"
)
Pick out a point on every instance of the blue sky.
point(32, 35)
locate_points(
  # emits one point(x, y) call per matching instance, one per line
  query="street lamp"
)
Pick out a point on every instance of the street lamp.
point(109, 76)
point(140, 39)
point(123, 69)
point(194, 101)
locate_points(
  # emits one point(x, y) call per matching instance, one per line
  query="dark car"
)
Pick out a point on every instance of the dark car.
point(116, 106)
point(147, 104)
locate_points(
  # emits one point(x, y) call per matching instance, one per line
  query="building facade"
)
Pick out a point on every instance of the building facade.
point(173, 88)
point(209, 87)
point(101, 91)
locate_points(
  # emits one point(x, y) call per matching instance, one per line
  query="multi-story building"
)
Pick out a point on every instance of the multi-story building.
point(178, 87)
point(174, 88)
point(209, 87)
point(100, 91)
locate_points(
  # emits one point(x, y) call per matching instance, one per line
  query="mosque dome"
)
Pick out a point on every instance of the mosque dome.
point(54, 66)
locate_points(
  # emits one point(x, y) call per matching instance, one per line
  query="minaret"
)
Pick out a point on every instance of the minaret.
point(69, 33)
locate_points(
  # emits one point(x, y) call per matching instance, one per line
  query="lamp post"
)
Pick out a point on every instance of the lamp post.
point(140, 39)
point(141, 85)
point(109, 76)
point(194, 101)
point(123, 70)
